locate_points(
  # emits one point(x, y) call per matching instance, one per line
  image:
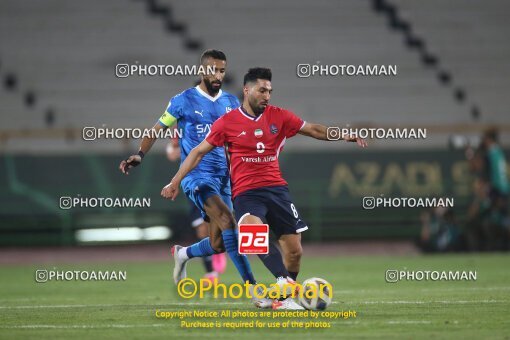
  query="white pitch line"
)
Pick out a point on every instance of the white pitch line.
point(390, 322)
point(71, 306)
point(354, 291)
point(79, 326)
point(465, 288)
point(55, 306)
point(427, 302)
point(408, 322)
point(169, 305)
point(349, 322)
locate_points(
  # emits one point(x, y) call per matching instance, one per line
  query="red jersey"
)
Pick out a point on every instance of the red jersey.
point(253, 145)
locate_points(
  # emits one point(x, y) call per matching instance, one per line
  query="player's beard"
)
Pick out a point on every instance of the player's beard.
point(257, 109)
point(210, 88)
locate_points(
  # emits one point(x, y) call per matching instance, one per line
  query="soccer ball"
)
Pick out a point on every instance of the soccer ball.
point(316, 294)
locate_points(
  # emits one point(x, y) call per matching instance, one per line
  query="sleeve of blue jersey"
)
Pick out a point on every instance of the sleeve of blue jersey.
point(174, 109)
point(175, 106)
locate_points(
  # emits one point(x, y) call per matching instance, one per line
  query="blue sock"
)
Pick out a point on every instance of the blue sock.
point(200, 249)
point(240, 261)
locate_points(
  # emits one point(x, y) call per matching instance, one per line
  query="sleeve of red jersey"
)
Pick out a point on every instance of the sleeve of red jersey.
point(292, 123)
point(216, 136)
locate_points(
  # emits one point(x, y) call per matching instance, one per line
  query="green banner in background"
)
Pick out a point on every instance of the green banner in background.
point(344, 178)
point(327, 188)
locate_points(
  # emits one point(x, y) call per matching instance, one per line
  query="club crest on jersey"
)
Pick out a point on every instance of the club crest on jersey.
point(273, 129)
point(258, 133)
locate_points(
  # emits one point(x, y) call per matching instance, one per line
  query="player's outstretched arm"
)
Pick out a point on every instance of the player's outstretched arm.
point(319, 131)
point(145, 146)
point(171, 190)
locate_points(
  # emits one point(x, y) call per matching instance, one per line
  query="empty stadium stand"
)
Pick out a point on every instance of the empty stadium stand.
point(67, 52)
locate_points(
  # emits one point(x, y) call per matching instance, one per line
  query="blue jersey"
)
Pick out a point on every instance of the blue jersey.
point(195, 112)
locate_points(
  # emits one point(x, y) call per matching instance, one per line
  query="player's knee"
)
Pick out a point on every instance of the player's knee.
point(225, 220)
point(250, 219)
point(294, 256)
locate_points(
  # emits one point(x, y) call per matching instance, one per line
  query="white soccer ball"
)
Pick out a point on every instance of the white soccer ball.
point(316, 294)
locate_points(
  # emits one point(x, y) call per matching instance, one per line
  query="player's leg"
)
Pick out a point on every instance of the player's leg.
point(213, 197)
point(219, 260)
point(221, 217)
point(292, 250)
point(203, 248)
point(201, 228)
point(288, 227)
point(216, 237)
point(222, 186)
point(273, 260)
point(202, 231)
point(225, 192)
point(211, 274)
point(251, 208)
point(210, 196)
point(216, 263)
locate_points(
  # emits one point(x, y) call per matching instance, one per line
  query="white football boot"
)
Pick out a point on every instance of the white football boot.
point(180, 264)
point(283, 288)
point(288, 303)
point(260, 302)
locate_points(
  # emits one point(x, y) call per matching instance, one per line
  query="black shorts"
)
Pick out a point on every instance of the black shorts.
point(272, 205)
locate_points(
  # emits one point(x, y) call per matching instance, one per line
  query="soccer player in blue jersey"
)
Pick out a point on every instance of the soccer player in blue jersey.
point(215, 264)
point(208, 185)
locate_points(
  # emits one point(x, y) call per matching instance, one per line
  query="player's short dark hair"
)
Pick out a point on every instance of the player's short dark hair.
point(215, 54)
point(257, 73)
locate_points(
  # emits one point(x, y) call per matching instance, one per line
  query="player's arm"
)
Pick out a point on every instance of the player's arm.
point(173, 150)
point(171, 190)
point(163, 123)
point(320, 132)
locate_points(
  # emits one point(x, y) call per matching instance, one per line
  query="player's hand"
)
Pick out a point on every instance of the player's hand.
point(360, 141)
point(171, 190)
point(131, 162)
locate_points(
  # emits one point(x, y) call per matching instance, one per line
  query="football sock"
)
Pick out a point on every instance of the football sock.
point(240, 261)
point(293, 275)
point(274, 262)
point(200, 249)
point(208, 264)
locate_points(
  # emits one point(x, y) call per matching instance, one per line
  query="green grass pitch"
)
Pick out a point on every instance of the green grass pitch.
point(408, 310)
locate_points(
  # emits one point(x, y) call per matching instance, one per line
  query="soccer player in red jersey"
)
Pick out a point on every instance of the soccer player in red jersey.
point(253, 136)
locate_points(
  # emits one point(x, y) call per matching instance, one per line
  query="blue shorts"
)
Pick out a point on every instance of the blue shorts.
point(199, 190)
point(272, 205)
